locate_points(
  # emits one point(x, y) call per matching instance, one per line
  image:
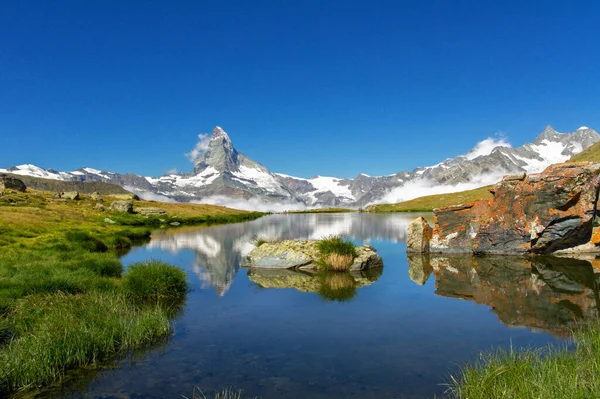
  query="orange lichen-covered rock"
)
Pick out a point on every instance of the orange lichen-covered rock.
point(538, 213)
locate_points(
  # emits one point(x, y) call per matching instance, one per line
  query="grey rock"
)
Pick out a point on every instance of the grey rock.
point(174, 224)
point(419, 236)
point(72, 195)
point(107, 220)
point(303, 254)
point(100, 207)
point(151, 211)
point(96, 196)
point(122, 206)
point(10, 183)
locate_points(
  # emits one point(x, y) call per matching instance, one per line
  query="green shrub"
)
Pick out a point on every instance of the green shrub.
point(155, 280)
point(85, 241)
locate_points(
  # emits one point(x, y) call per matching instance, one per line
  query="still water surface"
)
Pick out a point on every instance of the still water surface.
point(398, 336)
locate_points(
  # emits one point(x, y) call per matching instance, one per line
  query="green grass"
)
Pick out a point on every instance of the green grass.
point(532, 374)
point(155, 280)
point(63, 300)
point(590, 154)
point(227, 393)
point(428, 203)
point(59, 331)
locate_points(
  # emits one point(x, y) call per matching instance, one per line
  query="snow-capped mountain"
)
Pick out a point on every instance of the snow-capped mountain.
point(222, 174)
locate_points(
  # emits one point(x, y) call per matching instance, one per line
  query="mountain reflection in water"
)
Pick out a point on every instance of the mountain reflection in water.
point(543, 293)
point(220, 250)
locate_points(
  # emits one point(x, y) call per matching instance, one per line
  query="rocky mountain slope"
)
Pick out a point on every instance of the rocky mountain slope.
point(222, 174)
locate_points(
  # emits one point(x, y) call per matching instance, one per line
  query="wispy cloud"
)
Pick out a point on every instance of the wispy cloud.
point(201, 146)
point(486, 146)
point(251, 204)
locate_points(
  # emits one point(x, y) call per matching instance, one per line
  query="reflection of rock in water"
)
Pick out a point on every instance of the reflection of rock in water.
point(331, 286)
point(419, 268)
point(220, 249)
point(546, 293)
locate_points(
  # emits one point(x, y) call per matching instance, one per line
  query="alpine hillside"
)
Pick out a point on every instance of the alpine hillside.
point(222, 174)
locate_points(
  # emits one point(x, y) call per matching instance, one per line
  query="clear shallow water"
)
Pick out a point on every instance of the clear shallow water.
point(394, 338)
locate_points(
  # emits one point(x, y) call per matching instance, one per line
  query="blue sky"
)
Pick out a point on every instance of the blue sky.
point(304, 87)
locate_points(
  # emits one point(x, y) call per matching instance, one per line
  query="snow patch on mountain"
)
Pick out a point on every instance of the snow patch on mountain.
point(257, 177)
point(323, 184)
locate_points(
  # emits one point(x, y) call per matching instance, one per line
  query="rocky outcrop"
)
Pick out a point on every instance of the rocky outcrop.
point(122, 206)
point(10, 183)
point(304, 254)
point(539, 213)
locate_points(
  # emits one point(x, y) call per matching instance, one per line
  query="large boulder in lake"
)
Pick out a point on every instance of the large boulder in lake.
point(304, 254)
point(419, 236)
point(539, 213)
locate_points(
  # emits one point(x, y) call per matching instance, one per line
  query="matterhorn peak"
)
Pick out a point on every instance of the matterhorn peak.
point(218, 132)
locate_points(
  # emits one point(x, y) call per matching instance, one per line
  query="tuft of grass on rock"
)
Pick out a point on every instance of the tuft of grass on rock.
point(336, 253)
point(155, 280)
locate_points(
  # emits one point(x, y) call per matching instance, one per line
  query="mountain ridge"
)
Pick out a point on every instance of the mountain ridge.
point(222, 174)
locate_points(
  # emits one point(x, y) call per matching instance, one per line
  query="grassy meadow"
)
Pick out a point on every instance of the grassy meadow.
point(429, 202)
point(65, 301)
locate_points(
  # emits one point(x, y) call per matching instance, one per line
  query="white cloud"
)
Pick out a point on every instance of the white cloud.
point(173, 171)
point(149, 196)
point(201, 146)
point(486, 146)
point(423, 187)
point(252, 204)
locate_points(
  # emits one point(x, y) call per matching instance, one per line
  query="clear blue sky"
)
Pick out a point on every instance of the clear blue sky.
point(304, 87)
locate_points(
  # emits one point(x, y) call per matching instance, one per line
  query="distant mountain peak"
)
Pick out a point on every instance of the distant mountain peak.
point(219, 154)
point(218, 133)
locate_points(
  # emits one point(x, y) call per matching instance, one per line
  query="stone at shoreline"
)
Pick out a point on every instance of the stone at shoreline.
point(122, 206)
point(303, 254)
point(10, 183)
point(419, 236)
point(540, 213)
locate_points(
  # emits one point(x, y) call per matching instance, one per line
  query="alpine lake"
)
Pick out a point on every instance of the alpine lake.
point(396, 332)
